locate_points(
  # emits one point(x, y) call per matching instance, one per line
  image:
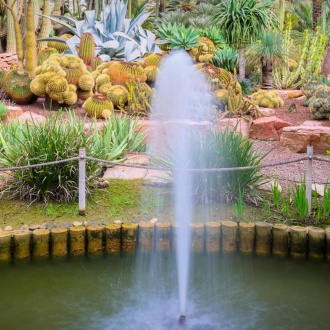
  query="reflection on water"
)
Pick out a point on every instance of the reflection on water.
point(140, 292)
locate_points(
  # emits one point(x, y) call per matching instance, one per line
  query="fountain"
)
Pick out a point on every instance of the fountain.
point(180, 97)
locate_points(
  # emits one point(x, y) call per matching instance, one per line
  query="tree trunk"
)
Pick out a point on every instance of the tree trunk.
point(317, 12)
point(267, 75)
point(241, 63)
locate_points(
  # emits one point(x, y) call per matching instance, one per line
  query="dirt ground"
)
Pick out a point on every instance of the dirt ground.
point(285, 173)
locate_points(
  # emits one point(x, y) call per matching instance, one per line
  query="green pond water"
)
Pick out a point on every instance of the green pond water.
point(140, 292)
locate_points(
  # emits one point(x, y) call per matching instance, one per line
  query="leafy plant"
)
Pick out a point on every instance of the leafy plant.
point(114, 35)
point(238, 205)
point(326, 202)
point(266, 208)
point(276, 194)
point(226, 58)
point(3, 111)
point(183, 38)
point(55, 140)
point(214, 35)
point(300, 201)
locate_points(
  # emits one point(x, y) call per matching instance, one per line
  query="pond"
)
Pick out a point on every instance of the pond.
point(139, 291)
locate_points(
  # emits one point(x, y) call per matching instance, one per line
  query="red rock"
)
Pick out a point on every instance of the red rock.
point(14, 111)
point(30, 116)
point(267, 112)
point(297, 138)
point(295, 94)
point(267, 128)
point(240, 124)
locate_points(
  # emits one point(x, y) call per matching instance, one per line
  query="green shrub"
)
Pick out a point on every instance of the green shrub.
point(3, 111)
point(215, 149)
point(53, 140)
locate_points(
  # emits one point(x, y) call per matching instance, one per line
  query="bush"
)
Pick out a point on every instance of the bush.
point(53, 140)
point(3, 111)
point(215, 149)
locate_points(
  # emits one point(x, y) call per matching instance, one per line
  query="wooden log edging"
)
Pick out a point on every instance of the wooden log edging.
point(211, 237)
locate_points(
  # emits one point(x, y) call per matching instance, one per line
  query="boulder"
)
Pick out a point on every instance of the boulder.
point(295, 94)
point(30, 116)
point(267, 112)
point(267, 128)
point(124, 173)
point(297, 138)
point(13, 111)
point(240, 125)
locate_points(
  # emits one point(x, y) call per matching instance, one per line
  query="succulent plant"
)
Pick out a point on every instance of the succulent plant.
point(118, 95)
point(151, 72)
point(104, 89)
point(2, 74)
point(96, 61)
point(45, 53)
point(95, 105)
point(220, 97)
point(319, 104)
point(102, 79)
point(122, 72)
point(152, 59)
point(184, 38)
point(60, 46)
point(38, 87)
point(267, 99)
point(86, 82)
point(87, 48)
point(84, 95)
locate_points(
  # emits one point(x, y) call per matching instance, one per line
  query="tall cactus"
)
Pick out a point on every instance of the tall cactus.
point(11, 39)
point(17, 29)
point(46, 25)
point(31, 42)
point(87, 48)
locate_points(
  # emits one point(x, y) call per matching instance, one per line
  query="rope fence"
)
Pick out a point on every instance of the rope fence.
point(82, 158)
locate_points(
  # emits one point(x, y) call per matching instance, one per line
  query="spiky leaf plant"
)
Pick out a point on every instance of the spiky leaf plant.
point(52, 140)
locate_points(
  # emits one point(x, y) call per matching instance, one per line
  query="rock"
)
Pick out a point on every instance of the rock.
point(43, 226)
point(268, 187)
point(117, 222)
point(319, 188)
point(267, 128)
point(30, 116)
point(240, 124)
point(124, 173)
point(77, 223)
point(297, 138)
point(136, 158)
point(14, 111)
point(158, 178)
point(65, 225)
point(85, 223)
point(25, 227)
point(8, 228)
point(145, 126)
point(34, 227)
point(312, 123)
point(267, 112)
point(284, 93)
point(154, 220)
point(295, 94)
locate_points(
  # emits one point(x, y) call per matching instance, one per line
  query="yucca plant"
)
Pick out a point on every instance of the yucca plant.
point(53, 140)
point(226, 58)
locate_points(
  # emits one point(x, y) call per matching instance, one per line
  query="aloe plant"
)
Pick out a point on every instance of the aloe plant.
point(114, 35)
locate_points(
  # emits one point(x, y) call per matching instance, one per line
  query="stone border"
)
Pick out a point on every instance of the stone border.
point(261, 238)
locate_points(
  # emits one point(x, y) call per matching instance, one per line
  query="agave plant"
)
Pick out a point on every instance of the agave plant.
point(226, 58)
point(114, 35)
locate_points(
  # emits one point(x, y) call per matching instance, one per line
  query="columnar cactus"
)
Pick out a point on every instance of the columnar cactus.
point(87, 48)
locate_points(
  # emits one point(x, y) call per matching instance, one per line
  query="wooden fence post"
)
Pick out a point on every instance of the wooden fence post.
point(82, 181)
point(309, 164)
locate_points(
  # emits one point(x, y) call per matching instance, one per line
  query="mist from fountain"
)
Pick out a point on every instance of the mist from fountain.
point(181, 96)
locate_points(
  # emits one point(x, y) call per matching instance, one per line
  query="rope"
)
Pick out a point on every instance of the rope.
point(38, 165)
point(321, 159)
point(197, 169)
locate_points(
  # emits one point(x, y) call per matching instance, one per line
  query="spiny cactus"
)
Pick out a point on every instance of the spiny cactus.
point(31, 42)
point(38, 87)
point(319, 104)
point(57, 85)
point(152, 59)
point(45, 53)
point(86, 82)
point(102, 79)
point(87, 48)
point(84, 95)
point(267, 99)
point(104, 89)
point(60, 46)
point(96, 61)
point(122, 72)
point(220, 97)
point(118, 95)
point(95, 105)
point(151, 72)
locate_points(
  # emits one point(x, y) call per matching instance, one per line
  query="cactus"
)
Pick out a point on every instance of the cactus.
point(72, 88)
point(71, 98)
point(84, 95)
point(96, 61)
point(16, 85)
point(151, 72)
point(46, 25)
point(95, 104)
point(57, 85)
point(45, 53)
point(104, 89)
point(38, 87)
point(31, 42)
point(60, 46)
point(87, 48)
point(220, 97)
point(86, 82)
point(122, 72)
point(118, 95)
point(106, 113)
point(102, 79)
point(152, 59)
point(2, 74)
point(267, 99)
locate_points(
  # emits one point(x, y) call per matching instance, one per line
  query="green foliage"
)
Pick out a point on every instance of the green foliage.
point(3, 111)
point(300, 201)
point(216, 149)
point(214, 35)
point(238, 205)
point(53, 140)
point(276, 194)
point(241, 21)
point(183, 38)
point(226, 58)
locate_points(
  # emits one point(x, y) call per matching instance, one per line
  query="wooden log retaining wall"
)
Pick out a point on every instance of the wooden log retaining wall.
point(212, 237)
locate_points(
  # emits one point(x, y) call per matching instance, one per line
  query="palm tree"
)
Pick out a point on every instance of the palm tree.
point(267, 51)
point(241, 22)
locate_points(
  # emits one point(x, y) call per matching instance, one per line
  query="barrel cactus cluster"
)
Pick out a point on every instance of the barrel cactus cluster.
point(309, 88)
point(267, 99)
point(319, 104)
point(63, 79)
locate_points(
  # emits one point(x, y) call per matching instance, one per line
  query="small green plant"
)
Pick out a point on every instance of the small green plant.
point(266, 208)
point(300, 201)
point(276, 194)
point(326, 202)
point(238, 205)
point(3, 111)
